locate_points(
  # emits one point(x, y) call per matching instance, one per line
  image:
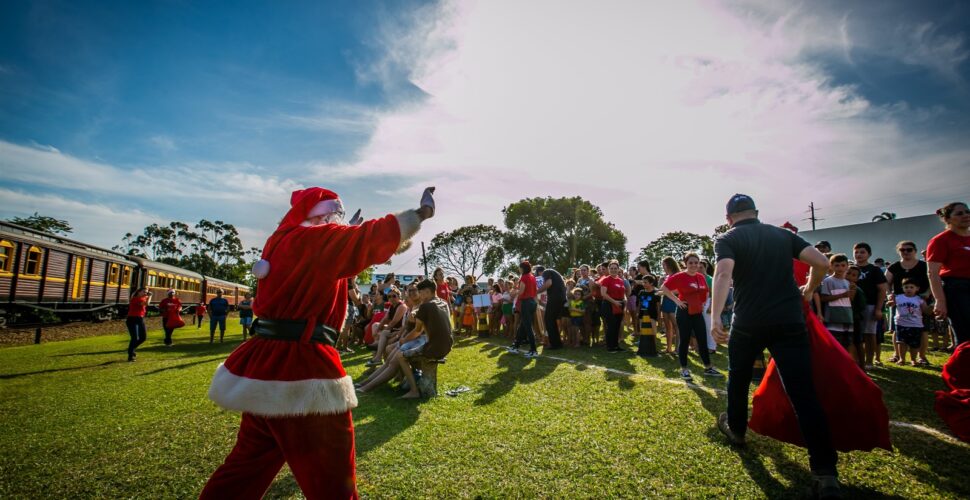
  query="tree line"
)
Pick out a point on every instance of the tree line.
point(212, 248)
point(561, 233)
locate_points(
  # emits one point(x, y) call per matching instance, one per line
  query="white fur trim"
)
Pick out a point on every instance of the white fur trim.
point(277, 398)
point(261, 269)
point(325, 207)
point(409, 221)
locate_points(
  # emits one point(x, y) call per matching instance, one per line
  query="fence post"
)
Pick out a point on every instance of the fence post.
point(37, 336)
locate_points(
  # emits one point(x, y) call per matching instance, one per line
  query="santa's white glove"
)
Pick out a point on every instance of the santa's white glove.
point(356, 220)
point(427, 199)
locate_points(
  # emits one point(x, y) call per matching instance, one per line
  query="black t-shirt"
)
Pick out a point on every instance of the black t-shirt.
point(870, 277)
point(765, 293)
point(917, 274)
point(437, 324)
point(649, 303)
point(557, 291)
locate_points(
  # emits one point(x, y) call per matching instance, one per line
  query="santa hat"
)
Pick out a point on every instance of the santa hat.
point(304, 203)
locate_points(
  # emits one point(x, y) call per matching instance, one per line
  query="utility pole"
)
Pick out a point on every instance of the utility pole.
point(811, 210)
point(424, 258)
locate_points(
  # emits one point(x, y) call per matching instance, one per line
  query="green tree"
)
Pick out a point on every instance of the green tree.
point(43, 223)
point(561, 233)
point(214, 250)
point(675, 245)
point(466, 250)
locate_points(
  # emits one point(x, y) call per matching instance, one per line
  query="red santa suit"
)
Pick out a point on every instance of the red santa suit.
point(295, 396)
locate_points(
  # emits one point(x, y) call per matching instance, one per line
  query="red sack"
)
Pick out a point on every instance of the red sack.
point(368, 332)
point(852, 402)
point(953, 406)
point(174, 321)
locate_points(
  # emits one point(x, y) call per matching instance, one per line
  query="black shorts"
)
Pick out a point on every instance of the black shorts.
point(844, 338)
point(909, 335)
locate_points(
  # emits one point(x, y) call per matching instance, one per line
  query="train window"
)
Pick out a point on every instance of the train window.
point(152, 280)
point(6, 256)
point(178, 284)
point(126, 276)
point(34, 257)
point(113, 274)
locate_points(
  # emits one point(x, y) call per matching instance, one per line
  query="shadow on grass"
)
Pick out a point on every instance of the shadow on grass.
point(283, 487)
point(55, 370)
point(946, 462)
point(514, 369)
point(381, 418)
point(181, 366)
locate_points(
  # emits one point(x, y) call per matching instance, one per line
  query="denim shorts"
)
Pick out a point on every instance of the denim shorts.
point(414, 347)
point(246, 321)
point(668, 306)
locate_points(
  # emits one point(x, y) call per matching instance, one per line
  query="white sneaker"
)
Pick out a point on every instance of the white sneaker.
point(532, 354)
point(685, 374)
point(512, 349)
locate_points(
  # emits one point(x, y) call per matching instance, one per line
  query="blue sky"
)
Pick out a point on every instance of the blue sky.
point(114, 115)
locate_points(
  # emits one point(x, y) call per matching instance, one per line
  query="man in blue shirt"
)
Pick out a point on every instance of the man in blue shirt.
point(218, 310)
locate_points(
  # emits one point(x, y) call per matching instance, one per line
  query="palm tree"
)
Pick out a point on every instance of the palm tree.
point(884, 216)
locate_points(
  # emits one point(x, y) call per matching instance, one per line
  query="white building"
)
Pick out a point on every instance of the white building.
point(882, 236)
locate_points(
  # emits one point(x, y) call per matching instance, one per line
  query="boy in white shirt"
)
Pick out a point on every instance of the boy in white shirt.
point(909, 320)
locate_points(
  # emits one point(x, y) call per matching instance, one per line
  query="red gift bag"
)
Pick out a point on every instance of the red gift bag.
point(174, 321)
point(852, 402)
point(953, 406)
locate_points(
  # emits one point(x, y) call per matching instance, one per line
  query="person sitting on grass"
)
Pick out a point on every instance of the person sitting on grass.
point(431, 338)
point(390, 327)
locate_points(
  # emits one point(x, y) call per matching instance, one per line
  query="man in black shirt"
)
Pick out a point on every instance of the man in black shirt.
point(768, 313)
point(556, 303)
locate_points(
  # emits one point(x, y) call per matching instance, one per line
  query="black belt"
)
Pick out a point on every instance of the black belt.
point(292, 330)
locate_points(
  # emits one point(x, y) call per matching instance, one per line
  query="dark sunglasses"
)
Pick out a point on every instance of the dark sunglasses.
point(393, 296)
point(907, 250)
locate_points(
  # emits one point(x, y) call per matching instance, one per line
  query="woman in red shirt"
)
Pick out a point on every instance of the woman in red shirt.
point(443, 291)
point(691, 289)
point(527, 307)
point(614, 292)
point(137, 306)
point(948, 264)
point(171, 309)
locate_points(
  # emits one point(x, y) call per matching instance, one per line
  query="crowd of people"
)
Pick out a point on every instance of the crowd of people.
point(688, 306)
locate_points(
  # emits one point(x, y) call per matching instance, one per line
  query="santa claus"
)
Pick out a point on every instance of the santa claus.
point(288, 382)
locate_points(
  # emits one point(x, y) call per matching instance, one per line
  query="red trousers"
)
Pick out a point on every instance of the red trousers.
point(318, 448)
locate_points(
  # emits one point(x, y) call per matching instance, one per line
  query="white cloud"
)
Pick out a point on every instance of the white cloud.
point(655, 112)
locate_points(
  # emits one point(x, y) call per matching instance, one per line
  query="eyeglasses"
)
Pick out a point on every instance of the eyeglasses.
point(957, 214)
point(907, 250)
point(392, 296)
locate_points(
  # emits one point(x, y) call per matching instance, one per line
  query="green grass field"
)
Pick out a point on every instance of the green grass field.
point(77, 421)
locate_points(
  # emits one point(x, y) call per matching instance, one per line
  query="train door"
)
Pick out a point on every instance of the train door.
point(79, 263)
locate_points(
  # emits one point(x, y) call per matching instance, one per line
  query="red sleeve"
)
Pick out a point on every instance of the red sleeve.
point(675, 282)
point(348, 250)
point(936, 250)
